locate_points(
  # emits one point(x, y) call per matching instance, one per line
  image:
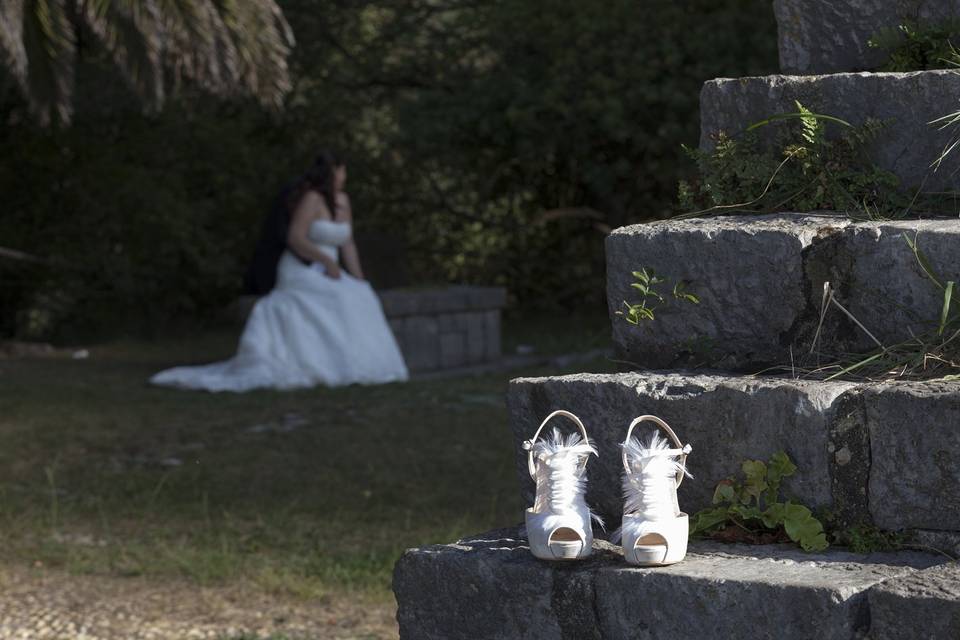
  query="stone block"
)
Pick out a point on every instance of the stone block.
point(491, 335)
point(827, 36)
point(447, 322)
point(914, 432)
point(476, 337)
point(486, 587)
point(462, 320)
point(885, 285)
point(422, 343)
point(453, 352)
point(490, 586)
point(921, 605)
point(732, 264)
point(727, 419)
point(735, 263)
point(907, 102)
point(397, 328)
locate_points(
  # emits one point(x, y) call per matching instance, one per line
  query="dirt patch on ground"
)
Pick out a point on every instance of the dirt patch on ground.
point(46, 604)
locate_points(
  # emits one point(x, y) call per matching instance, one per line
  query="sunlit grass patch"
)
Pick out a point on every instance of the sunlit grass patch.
point(301, 493)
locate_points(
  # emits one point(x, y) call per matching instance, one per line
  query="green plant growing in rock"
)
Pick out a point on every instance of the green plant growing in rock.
point(911, 47)
point(647, 283)
point(751, 510)
point(803, 170)
point(867, 538)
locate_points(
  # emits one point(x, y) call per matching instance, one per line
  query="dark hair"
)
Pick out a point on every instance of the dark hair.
point(320, 178)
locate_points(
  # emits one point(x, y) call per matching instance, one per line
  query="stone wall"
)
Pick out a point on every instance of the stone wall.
point(447, 327)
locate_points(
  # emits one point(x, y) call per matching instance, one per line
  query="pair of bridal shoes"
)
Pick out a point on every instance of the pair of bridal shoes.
point(654, 530)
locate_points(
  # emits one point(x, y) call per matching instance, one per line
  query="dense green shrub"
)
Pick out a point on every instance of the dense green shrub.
point(497, 141)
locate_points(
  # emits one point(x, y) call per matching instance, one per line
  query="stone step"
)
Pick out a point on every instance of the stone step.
point(930, 597)
point(760, 283)
point(489, 586)
point(826, 36)
point(882, 453)
point(907, 102)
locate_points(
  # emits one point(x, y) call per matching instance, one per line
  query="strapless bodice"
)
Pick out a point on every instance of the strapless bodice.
point(329, 233)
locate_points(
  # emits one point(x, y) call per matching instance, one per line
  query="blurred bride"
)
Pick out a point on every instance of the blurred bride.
point(321, 324)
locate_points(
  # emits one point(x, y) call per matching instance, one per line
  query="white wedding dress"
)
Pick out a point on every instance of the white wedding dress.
point(310, 330)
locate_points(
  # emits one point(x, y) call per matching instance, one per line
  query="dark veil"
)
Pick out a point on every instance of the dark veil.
point(261, 275)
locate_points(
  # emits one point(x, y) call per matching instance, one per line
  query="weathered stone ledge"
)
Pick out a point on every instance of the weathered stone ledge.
point(489, 586)
point(882, 453)
point(760, 283)
point(907, 102)
point(826, 36)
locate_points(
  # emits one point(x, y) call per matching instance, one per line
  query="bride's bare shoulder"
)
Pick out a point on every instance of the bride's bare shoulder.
point(312, 205)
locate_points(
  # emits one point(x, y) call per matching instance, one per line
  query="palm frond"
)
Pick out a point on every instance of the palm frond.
point(50, 46)
point(12, 52)
point(229, 47)
point(262, 54)
point(225, 47)
point(125, 28)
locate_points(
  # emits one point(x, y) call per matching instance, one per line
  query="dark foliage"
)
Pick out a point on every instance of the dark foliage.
point(497, 142)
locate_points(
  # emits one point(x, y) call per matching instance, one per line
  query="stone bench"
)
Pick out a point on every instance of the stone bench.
point(436, 328)
point(445, 328)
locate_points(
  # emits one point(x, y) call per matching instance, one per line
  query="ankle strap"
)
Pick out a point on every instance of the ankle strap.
point(528, 444)
point(682, 450)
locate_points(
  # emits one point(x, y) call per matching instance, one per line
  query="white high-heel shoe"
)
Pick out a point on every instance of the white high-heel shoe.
point(654, 530)
point(558, 524)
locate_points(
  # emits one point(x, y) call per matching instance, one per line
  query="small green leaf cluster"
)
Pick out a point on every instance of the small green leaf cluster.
point(754, 505)
point(798, 168)
point(912, 47)
point(646, 283)
point(864, 538)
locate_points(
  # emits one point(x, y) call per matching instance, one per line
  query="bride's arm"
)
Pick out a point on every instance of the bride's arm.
point(351, 257)
point(297, 238)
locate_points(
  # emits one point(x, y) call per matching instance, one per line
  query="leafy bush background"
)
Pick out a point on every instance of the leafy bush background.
point(497, 142)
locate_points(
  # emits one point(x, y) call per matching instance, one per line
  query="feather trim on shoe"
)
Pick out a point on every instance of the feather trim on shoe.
point(649, 489)
point(561, 470)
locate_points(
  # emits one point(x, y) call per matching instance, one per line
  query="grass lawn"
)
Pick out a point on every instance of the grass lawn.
point(305, 493)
